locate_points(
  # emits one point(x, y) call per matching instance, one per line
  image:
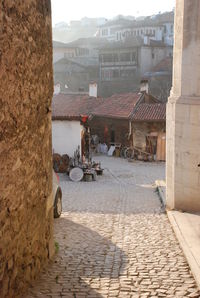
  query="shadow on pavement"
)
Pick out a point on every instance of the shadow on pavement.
point(84, 259)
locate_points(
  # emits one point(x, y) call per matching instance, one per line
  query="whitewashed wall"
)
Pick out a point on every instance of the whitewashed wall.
point(66, 136)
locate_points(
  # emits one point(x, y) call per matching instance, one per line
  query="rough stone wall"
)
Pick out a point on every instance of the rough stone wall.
point(26, 216)
point(141, 129)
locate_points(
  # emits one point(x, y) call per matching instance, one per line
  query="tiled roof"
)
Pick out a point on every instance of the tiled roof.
point(117, 22)
point(88, 42)
point(72, 106)
point(156, 20)
point(134, 41)
point(150, 112)
point(118, 106)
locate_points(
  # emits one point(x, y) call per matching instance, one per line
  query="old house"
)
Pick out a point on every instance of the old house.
point(67, 110)
point(149, 128)
point(74, 74)
point(123, 63)
point(131, 119)
point(90, 44)
point(67, 50)
point(158, 27)
point(160, 79)
point(77, 63)
point(109, 29)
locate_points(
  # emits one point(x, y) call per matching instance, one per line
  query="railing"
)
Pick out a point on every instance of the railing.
point(119, 63)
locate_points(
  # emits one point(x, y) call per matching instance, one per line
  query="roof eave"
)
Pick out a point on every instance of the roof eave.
point(148, 120)
point(68, 118)
point(112, 117)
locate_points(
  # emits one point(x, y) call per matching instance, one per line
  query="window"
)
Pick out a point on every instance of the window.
point(112, 30)
point(105, 32)
point(125, 57)
point(101, 58)
point(105, 75)
point(107, 58)
point(115, 57)
point(126, 73)
point(115, 73)
point(133, 56)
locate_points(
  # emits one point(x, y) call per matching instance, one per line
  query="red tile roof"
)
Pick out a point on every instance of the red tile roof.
point(118, 106)
point(150, 112)
point(72, 106)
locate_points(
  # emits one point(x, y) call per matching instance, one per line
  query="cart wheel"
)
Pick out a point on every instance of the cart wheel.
point(129, 153)
point(76, 174)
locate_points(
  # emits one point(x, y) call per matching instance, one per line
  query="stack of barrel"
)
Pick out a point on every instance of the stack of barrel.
point(60, 163)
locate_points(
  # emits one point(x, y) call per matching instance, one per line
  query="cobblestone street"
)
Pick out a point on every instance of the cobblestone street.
point(114, 239)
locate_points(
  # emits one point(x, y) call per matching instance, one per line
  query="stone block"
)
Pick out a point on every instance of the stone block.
point(182, 113)
point(195, 115)
point(187, 199)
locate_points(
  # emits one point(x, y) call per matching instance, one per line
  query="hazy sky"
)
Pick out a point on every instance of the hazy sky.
point(66, 10)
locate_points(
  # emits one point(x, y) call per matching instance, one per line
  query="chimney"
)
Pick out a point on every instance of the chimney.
point(93, 89)
point(144, 86)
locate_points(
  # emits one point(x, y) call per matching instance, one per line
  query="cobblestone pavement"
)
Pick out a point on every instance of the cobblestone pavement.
point(114, 240)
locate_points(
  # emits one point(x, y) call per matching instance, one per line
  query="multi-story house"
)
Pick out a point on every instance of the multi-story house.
point(109, 29)
point(123, 63)
point(158, 27)
point(61, 50)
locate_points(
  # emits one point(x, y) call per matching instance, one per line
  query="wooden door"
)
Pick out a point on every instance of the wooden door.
point(161, 147)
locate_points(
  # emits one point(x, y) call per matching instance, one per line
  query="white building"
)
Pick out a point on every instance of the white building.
point(158, 28)
point(67, 111)
point(109, 29)
point(66, 136)
point(146, 32)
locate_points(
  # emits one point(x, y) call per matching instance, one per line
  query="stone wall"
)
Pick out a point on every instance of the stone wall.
point(26, 215)
point(183, 112)
point(142, 129)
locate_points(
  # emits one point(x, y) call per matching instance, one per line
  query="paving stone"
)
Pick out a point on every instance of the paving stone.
point(114, 239)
